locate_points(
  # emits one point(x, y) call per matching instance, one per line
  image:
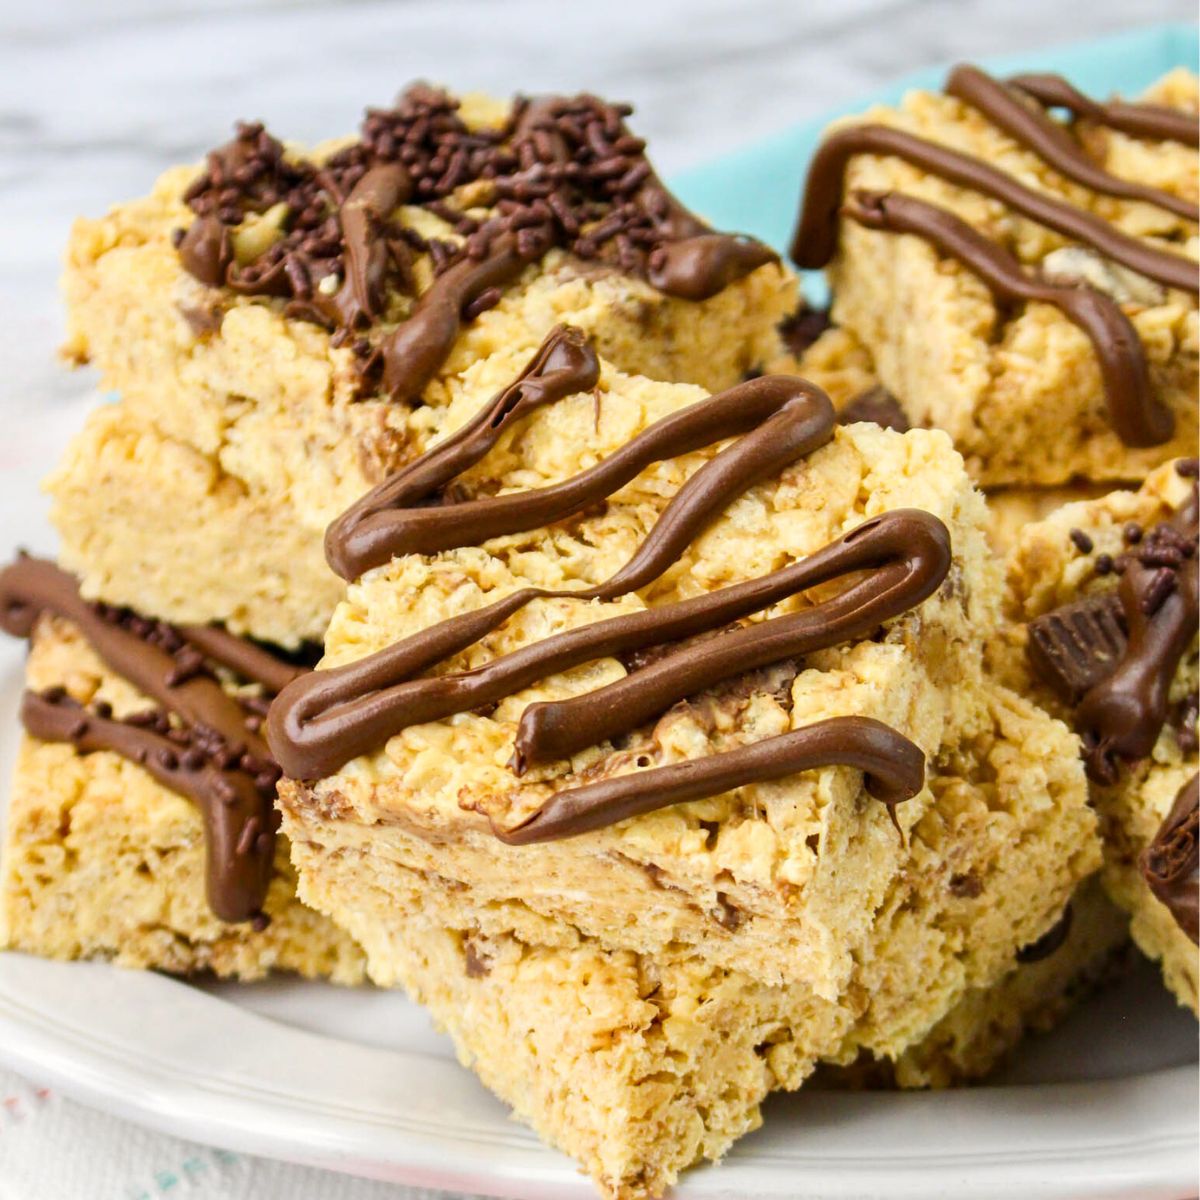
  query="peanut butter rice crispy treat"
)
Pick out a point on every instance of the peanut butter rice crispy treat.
point(1030, 394)
point(641, 1064)
point(1068, 578)
point(841, 365)
point(323, 309)
point(738, 877)
point(101, 860)
point(988, 1023)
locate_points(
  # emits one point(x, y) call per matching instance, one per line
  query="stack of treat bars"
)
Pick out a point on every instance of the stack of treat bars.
point(493, 582)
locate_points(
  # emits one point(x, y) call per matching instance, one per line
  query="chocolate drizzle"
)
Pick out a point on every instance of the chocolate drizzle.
point(1152, 121)
point(893, 766)
point(1138, 418)
point(415, 350)
point(815, 239)
point(1122, 716)
point(560, 172)
point(1029, 126)
point(1171, 863)
point(209, 755)
point(388, 520)
point(323, 721)
point(1114, 656)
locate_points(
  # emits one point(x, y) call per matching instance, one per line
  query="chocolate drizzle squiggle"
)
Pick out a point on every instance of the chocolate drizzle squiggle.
point(1171, 863)
point(387, 520)
point(231, 777)
point(1138, 417)
point(893, 766)
point(1122, 716)
point(1031, 128)
point(321, 722)
point(239, 831)
point(1151, 121)
point(815, 239)
point(242, 657)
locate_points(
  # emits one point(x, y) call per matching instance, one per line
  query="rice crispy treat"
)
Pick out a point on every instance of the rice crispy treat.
point(840, 363)
point(641, 1064)
point(1066, 574)
point(1002, 366)
point(980, 1032)
point(739, 875)
point(101, 860)
point(314, 325)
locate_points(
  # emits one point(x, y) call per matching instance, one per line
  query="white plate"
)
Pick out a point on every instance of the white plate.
point(358, 1081)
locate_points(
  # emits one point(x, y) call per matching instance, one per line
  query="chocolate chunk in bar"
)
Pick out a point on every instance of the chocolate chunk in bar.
point(878, 406)
point(803, 327)
point(1076, 646)
point(1171, 863)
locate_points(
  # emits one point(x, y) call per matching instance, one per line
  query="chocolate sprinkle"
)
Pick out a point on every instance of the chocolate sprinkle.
point(562, 171)
point(1082, 542)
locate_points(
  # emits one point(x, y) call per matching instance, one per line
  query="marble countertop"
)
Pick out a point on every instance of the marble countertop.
point(98, 96)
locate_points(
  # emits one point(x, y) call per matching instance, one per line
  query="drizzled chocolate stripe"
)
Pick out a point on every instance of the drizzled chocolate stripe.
point(386, 521)
point(242, 657)
point(319, 723)
point(815, 239)
point(236, 800)
point(781, 419)
point(1137, 416)
point(1031, 128)
point(1122, 716)
point(416, 349)
point(1171, 863)
point(239, 830)
point(893, 766)
point(1152, 121)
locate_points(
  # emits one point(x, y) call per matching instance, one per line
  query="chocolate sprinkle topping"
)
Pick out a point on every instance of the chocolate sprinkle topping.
point(197, 743)
point(1113, 657)
point(1171, 863)
point(562, 171)
point(1082, 542)
point(321, 722)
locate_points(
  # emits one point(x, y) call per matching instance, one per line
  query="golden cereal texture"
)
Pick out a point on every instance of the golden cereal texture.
point(426, 798)
point(641, 1064)
point(1019, 392)
point(102, 861)
point(267, 413)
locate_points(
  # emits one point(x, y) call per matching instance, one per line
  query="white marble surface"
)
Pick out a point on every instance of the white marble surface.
point(97, 96)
